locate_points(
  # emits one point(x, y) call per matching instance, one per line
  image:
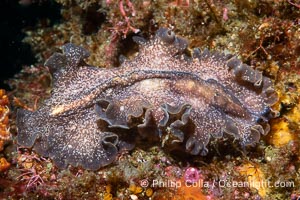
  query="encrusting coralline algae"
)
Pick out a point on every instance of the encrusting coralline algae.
point(162, 93)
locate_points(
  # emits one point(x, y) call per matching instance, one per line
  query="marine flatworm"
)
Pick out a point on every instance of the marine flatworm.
point(162, 93)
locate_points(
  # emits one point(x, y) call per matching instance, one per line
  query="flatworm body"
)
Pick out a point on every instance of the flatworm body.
point(183, 101)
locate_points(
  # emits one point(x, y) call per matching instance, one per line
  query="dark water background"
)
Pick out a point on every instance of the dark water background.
point(14, 18)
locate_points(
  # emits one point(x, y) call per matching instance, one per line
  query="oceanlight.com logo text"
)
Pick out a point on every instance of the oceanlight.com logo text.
point(220, 184)
point(255, 184)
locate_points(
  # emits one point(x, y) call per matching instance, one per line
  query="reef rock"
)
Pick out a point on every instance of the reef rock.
point(162, 93)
